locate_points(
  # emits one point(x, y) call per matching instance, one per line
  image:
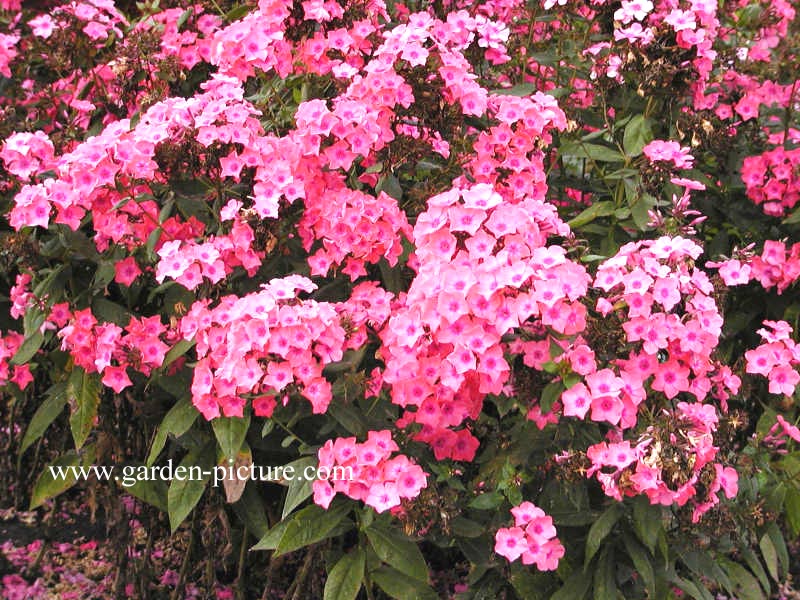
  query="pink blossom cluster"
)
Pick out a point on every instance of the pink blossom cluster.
point(355, 228)
point(669, 153)
point(21, 296)
point(268, 343)
point(379, 479)
point(192, 42)
point(772, 180)
point(510, 145)
point(672, 324)
point(777, 266)
point(109, 349)
point(780, 430)
point(190, 263)
point(533, 538)
point(640, 22)
point(777, 359)
point(8, 52)
point(483, 269)
point(19, 374)
point(97, 18)
point(667, 466)
point(26, 154)
point(87, 177)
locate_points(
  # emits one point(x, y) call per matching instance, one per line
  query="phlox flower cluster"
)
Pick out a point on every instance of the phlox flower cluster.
point(777, 358)
point(672, 463)
point(190, 46)
point(672, 324)
point(267, 343)
point(109, 349)
point(380, 478)
point(695, 26)
point(533, 538)
point(780, 430)
point(19, 374)
point(8, 52)
point(26, 154)
point(97, 19)
point(190, 263)
point(355, 228)
point(772, 180)
point(776, 266)
point(511, 145)
point(483, 269)
point(86, 177)
point(669, 153)
point(21, 296)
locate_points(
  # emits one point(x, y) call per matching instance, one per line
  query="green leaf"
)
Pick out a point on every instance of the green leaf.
point(770, 556)
point(237, 12)
point(598, 209)
point(28, 348)
point(794, 218)
point(152, 491)
point(550, 393)
point(463, 527)
point(594, 152)
point(529, 585)
point(776, 537)
point(83, 396)
point(746, 586)
point(521, 89)
point(271, 539)
point(183, 18)
point(647, 522)
point(250, 510)
point(108, 311)
point(397, 585)
point(299, 487)
point(230, 433)
point(605, 585)
point(640, 208)
point(186, 490)
point(48, 486)
point(178, 350)
point(176, 422)
point(104, 274)
point(48, 411)
point(600, 530)
point(641, 560)
point(695, 590)
point(311, 525)
point(488, 501)
point(344, 580)
point(398, 551)
point(576, 587)
point(390, 185)
point(348, 417)
point(755, 566)
point(477, 550)
point(638, 134)
point(792, 510)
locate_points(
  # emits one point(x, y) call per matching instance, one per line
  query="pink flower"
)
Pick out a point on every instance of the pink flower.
point(734, 272)
point(126, 271)
point(116, 378)
point(510, 542)
point(783, 380)
point(633, 9)
point(576, 401)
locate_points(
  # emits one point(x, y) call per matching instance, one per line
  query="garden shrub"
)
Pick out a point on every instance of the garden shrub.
point(529, 268)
